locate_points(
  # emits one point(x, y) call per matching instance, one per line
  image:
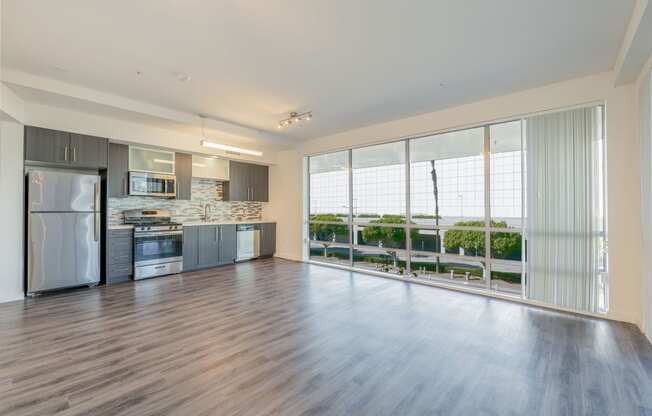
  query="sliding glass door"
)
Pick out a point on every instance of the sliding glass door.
point(447, 207)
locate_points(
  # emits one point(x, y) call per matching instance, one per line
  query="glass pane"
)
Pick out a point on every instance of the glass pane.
point(447, 177)
point(379, 260)
point(458, 242)
point(432, 267)
point(379, 182)
point(151, 160)
point(329, 253)
point(506, 246)
point(506, 173)
point(329, 187)
point(329, 233)
point(381, 237)
point(506, 276)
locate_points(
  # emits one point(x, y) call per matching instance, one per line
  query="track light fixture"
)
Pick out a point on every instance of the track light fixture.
point(295, 118)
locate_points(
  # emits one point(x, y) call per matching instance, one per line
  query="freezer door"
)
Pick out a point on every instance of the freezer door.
point(50, 191)
point(63, 250)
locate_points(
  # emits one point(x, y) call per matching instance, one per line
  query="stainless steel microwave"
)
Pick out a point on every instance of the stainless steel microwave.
point(152, 184)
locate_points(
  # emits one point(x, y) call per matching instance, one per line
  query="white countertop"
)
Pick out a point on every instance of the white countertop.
point(190, 224)
point(194, 223)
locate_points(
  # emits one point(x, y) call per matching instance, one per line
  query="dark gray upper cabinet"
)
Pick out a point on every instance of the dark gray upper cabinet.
point(45, 145)
point(228, 243)
point(88, 151)
point(260, 183)
point(118, 171)
point(267, 239)
point(183, 172)
point(238, 187)
point(54, 147)
point(190, 248)
point(247, 182)
point(208, 246)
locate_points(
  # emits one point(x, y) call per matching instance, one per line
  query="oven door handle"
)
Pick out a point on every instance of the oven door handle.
point(158, 234)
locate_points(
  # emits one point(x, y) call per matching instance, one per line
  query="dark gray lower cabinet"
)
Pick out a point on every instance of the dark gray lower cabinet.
point(228, 244)
point(190, 248)
point(120, 256)
point(208, 246)
point(267, 239)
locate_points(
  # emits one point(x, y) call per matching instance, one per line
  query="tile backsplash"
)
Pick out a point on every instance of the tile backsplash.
point(204, 191)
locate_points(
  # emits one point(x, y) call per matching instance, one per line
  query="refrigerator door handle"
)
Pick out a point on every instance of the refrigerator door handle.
point(96, 195)
point(96, 226)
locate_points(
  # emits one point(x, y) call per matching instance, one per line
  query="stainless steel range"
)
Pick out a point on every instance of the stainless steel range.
point(158, 243)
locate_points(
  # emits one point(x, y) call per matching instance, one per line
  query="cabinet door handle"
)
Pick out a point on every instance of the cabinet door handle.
point(74, 154)
point(65, 153)
point(124, 186)
point(217, 230)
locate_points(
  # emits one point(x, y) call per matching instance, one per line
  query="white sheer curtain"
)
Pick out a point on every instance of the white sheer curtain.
point(565, 212)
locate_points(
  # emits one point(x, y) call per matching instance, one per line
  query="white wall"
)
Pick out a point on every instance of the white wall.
point(11, 211)
point(285, 205)
point(645, 132)
point(622, 165)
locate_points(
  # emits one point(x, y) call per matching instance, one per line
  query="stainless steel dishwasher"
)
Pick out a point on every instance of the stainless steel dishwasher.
point(248, 241)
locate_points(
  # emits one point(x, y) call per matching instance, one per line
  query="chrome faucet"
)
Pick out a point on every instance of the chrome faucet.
point(207, 211)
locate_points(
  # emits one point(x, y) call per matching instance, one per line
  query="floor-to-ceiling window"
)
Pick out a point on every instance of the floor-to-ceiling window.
point(447, 207)
point(379, 210)
point(447, 202)
point(329, 229)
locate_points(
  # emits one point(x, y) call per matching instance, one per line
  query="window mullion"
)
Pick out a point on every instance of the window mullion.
point(350, 220)
point(487, 205)
point(408, 212)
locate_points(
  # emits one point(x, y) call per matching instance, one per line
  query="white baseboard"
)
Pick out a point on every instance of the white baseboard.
point(288, 256)
point(11, 298)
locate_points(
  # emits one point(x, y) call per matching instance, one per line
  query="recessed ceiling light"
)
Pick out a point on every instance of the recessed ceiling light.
point(182, 77)
point(59, 68)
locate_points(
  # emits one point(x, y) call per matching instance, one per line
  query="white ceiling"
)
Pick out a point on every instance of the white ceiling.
point(353, 63)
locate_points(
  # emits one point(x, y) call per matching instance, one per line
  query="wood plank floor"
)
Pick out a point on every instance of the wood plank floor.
point(274, 337)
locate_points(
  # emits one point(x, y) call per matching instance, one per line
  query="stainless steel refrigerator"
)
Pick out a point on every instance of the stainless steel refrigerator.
point(63, 230)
